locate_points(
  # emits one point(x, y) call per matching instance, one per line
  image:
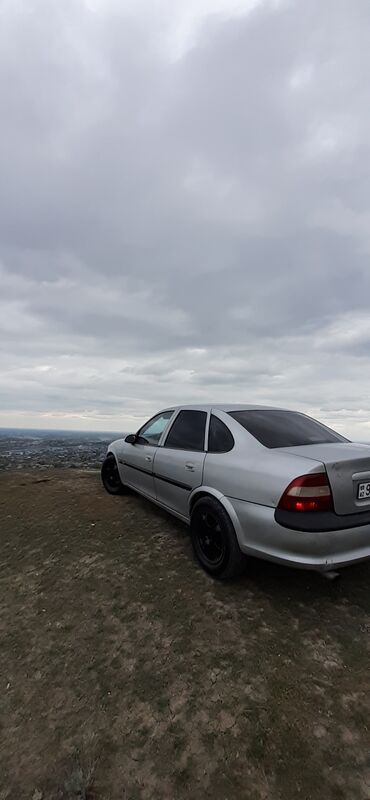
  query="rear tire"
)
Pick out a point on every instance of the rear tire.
point(214, 540)
point(110, 476)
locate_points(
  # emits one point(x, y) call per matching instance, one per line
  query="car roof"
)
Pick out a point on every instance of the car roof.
point(225, 407)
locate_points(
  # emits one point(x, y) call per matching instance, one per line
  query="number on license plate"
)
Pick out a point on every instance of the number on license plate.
point(363, 491)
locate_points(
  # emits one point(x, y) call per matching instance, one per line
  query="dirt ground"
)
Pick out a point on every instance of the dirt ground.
point(127, 673)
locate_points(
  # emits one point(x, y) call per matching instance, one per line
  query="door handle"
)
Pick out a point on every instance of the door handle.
point(148, 458)
point(190, 467)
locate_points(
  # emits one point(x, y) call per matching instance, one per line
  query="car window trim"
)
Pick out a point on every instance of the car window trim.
point(188, 449)
point(206, 432)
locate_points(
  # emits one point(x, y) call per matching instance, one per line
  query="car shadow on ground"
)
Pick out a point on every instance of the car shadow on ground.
point(307, 586)
point(278, 582)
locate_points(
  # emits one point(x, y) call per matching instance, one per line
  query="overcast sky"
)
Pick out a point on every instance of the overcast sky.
point(184, 209)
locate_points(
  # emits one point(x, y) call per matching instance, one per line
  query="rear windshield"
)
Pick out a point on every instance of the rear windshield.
point(285, 428)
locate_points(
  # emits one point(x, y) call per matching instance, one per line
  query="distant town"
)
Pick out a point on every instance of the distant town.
point(35, 449)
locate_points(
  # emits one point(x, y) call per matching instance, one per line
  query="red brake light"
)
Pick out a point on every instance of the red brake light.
point(308, 493)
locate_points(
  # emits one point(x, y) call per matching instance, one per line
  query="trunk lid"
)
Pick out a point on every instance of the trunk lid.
point(347, 465)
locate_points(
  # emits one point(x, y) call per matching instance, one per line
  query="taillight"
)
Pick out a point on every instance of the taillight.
point(308, 493)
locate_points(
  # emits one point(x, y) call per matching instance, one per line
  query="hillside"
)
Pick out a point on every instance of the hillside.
point(127, 673)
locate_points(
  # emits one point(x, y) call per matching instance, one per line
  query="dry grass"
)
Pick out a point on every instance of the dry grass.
point(127, 674)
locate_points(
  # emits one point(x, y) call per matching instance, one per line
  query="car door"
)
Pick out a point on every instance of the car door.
point(178, 463)
point(137, 459)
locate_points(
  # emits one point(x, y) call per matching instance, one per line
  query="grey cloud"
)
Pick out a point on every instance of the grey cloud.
point(150, 208)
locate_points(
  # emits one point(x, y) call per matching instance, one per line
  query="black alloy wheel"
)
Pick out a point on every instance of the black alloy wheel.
point(214, 540)
point(110, 475)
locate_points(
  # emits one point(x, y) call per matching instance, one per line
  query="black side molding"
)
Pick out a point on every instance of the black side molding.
point(320, 521)
point(138, 469)
point(180, 485)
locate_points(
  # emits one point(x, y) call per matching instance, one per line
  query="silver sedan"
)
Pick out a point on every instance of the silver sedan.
point(251, 481)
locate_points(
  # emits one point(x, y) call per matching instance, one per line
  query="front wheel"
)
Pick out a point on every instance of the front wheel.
point(214, 540)
point(110, 476)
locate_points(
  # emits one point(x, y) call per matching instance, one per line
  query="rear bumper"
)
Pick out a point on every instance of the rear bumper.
point(260, 534)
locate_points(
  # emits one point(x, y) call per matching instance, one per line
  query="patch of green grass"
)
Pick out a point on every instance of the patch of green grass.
point(140, 736)
point(183, 776)
point(258, 736)
point(78, 783)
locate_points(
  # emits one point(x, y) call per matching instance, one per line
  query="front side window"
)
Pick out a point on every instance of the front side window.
point(220, 439)
point(152, 431)
point(187, 431)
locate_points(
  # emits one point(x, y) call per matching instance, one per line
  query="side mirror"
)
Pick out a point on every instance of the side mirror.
point(131, 438)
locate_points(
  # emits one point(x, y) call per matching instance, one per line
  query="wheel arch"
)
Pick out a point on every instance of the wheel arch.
point(208, 491)
point(112, 451)
point(107, 455)
point(203, 491)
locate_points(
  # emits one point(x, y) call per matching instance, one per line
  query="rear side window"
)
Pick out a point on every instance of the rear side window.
point(285, 428)
point(187, 431)
point(220, 439)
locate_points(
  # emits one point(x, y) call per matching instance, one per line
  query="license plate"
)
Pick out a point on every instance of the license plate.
point(363, 490)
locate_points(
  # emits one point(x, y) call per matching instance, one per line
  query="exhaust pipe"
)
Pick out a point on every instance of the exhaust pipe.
point(331, 575)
